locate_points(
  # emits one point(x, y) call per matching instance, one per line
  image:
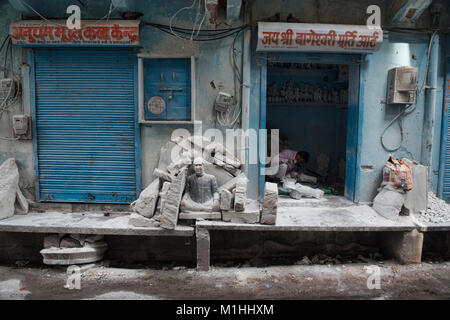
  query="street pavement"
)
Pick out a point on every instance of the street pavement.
point(380, 281)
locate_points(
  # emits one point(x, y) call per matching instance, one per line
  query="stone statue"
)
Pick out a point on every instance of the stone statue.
point(317, 94)
point(325, 95)
point(201, 191)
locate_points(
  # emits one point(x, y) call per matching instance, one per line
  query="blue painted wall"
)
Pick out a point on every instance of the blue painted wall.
point(213, 63)
point(397, 50)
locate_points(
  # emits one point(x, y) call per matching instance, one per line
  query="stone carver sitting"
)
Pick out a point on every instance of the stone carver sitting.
point(201, 191)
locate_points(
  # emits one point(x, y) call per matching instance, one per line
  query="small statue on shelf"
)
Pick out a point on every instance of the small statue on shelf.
point(297, 94)
point(309, 93)
point(343, 96)
point(334, 96)
point(325, 95)
point(317, 94)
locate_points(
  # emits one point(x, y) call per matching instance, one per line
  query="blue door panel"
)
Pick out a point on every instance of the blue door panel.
point(85, 124)
point(169, 79)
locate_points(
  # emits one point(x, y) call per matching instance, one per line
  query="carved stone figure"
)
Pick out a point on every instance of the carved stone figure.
point(201, 191)
point(317, 94)
point(325, 95)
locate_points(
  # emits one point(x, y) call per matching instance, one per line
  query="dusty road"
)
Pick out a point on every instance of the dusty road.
point(424, 281)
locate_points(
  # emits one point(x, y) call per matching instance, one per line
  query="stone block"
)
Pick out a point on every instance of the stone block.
point(269, 204)
point(9, 183)
point(136, 220)
point(165, 155)
point(226, 200)
point(231, 184)
point(200, 215)
point(203, 248)
point(406, 247)
point(222, 175)
point(162, 196)
point(164, 175)
point(416, 199)
point(146, 204)
point(22, 205)
point(171, 206)
point(240, 195)
point(251, 214)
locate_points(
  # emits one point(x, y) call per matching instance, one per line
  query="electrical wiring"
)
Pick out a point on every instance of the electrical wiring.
point(176, 13)
point(411, 107)
point(203, 35)
point(203, 20)
point(194, 39)
point(106, 16)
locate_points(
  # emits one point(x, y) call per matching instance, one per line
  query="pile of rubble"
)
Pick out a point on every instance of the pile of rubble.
point(67, 249)
point(159, 204)
point(438, 211)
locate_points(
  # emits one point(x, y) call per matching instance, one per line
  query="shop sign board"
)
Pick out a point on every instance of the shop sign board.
point(274, 36)
point(55, 32)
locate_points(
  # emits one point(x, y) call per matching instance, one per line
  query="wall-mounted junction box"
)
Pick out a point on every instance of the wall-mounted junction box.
point(223, 102)
point(402, 85)
point(22, 126)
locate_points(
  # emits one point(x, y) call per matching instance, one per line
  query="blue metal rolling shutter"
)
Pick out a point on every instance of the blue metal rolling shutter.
point(444, 175)
point(85, 124)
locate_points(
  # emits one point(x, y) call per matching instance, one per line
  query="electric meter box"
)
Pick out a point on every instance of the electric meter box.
point(401, 85)
point(22, 126)
point(223, 102)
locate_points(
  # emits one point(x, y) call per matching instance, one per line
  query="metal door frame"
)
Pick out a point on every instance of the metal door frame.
point(327, 58)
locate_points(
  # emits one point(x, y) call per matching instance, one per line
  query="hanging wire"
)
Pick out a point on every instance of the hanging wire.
point(176, 13)
point(410, 107)
point(203, 20)
point(106, 16)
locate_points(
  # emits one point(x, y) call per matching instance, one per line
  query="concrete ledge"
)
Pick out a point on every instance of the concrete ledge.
point(353, 218)
point(200, 215)
point(428, 226)
point(85, 223)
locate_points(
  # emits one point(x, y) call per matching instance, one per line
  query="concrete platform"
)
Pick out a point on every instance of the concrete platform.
point(85, 223)
point(428, 226)
point(312, 215)
point(353, 218)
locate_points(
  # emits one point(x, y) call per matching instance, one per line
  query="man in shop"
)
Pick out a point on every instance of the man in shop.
point(290, 163)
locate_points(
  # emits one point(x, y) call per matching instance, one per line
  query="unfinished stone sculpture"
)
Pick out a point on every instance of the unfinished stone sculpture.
point(9, 183)
point(269, 204)
point(297, 190)
point(240, 196)
point(137, 220)
point(66, 249)
point(162, 197)
point(145, 205)
point(171, 205)
point(251, 214)
point(201, 191)
point(226, 200)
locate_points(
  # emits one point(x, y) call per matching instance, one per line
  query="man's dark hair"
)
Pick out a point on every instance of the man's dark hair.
point(304, 155)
